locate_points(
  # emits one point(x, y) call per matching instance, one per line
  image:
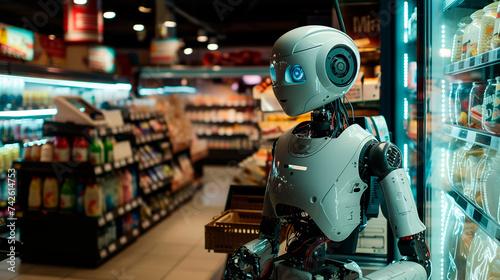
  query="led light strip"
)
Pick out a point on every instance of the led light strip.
point(406, 22)
point(167, 89)
point(405, 83)
point(53, 82)
point(28, 113)
point(296, 167)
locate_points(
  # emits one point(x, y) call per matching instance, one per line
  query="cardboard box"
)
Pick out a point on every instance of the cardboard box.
point(371, 89)
point(355, 94)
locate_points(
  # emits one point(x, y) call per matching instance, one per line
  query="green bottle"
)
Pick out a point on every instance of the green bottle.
point(96, 151)
point(68, 196)
point(108, 150)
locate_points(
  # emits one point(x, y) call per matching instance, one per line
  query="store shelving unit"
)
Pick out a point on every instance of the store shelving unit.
point(478, 62)
point(474, 136)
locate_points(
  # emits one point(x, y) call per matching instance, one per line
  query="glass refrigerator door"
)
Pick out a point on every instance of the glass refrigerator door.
point(462, 162)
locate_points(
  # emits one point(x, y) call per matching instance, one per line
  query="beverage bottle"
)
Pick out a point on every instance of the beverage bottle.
point(36, 151)
point(61, 149)
point(475, 108)
point(108, 150)
point(93, 200)
point(491, 123)
point(96, 151)
point(35, 194)
point(47, 152)
point(80, 150)
point(80, 193)
point(50, 194)
point(68, 196)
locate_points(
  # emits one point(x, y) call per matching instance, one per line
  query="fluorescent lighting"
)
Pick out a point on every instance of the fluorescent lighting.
point(145, 10)
point(251, 79)
point(109, 15)
point(188, 51)
point(202, 36)
point(167, 89)
point(93, 85)
point(212, 47)
point(52, 37)
point(28, 113)
point(170, 23)
point(80, 2)
point(138, 27)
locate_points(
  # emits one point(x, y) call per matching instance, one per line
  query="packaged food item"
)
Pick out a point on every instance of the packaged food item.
point(35, 194)
point(462, 103)
point(50, 194)
point(495, 40)
point(471, 35)
point(487, 27)
point(491, 110)
point(80, 152)
point(456, 50)
point(488, 100)
point(464, 246)
point(475, 109)
point(61, 149)
point(80, 194)
point(483, 258)
point(489, 183)
point(47, 152)
point(68, 195)
point(93, 200)
point(451, 103)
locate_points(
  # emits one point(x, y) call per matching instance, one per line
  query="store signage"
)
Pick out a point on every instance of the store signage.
point(164, 51)
point(362, 23)
point(49, 51)
point(102, 59)
point(16, 42)
point(83, 23)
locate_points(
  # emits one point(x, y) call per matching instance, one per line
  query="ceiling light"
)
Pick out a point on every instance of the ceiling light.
point(80, 2)
point(188, 51)
point(138, 27)
point(202, 36)
point(145, 10)
point(170, 23)
point(146, 6)
point(52, 37)
point(109, 15)
point(212, 44)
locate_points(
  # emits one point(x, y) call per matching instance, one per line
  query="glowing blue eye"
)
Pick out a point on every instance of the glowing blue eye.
point(297, 74)
point(273, 73)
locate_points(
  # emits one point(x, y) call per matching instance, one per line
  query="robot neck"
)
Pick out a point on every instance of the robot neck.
point(321, 122)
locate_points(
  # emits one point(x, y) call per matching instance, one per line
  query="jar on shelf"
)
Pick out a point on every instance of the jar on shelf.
point(456, 50)
point(488, 185)
point(487, 107)
point(476, 104)
point(471, 35)
point(495, 40)
point(451, 103)
point(487, 27)
point(462, 103)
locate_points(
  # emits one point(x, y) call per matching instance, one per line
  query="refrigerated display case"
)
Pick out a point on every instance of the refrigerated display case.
point(460, 137)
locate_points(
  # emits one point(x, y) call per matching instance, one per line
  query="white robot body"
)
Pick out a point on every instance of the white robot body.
point(313, 174)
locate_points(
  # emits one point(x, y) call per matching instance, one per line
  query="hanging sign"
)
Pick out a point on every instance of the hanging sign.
point(83, 22)
point(164, 51)
point(102, 59)
point(16, 42)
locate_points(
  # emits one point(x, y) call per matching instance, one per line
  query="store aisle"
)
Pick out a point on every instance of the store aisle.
point(172, 250)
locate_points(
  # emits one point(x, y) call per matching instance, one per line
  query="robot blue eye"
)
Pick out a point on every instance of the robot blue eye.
point(273, 73)
point(297, 74)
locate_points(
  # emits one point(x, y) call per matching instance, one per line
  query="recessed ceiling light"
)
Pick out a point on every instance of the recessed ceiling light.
point(212, 44)
point(202, 36)
point(52, 37)
point(109, 15)
point(138, 27)
point(80, 2)
point(170, 23)
point(145, 10)
point(188, 51)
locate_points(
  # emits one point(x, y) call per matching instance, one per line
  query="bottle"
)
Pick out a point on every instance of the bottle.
point(50, 194)
point(462, 103)
point(487, 27)
point(108, 150)
point(488, 101)
point(27, 147)
point(61, 149)
point(495, 40)
point(35, 194)
point(36, 151)
point(489, 185)
point(96, 151)
point(47, 152)
point(471, 35)
point(16, 152)
point(475, 108)
point(68, 196)
point(80, 152)
point(456, 51)
point(492, 102)
point(93, 201)
point(451, 102)
point(80, 194)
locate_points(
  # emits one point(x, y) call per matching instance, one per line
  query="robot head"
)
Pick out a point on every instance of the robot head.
point(312, 66)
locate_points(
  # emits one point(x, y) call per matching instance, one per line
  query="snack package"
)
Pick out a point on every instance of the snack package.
point(483, 260)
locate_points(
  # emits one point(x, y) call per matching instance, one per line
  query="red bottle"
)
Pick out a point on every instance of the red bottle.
point(80, 151)
point(61, 149)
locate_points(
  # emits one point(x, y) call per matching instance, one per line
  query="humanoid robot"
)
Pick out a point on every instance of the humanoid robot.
point(320, 181)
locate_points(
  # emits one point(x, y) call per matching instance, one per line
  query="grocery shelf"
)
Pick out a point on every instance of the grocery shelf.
point(471, 4)
point(115, 247)
point(143, 116)
point(222, 122)
point(203, 135)
point(207, 72)
point(119, 211)
point(157, 185)
point(218, 107)
point(145, 139)
point(474, 63)
point(471, 135)
point(156, 161)
point(483, 220)
point(52, 128)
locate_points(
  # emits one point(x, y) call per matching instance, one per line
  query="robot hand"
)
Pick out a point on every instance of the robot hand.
point(250, 261)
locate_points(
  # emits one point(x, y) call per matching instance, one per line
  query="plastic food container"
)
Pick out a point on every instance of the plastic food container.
point(462, 104)
point(487, 108)
point(456, 50)
point(487, 27)
point(476, 104)
point(471, 35)
point(495, 40)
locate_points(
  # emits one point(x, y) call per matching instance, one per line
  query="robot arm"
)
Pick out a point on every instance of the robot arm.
point(384, 160)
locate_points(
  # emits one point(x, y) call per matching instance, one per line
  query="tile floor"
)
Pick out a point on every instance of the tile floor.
point(172, 250)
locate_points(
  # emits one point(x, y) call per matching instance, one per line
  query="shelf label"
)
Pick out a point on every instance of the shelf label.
point(134, 204)
point(123, 240)
point(461, 65)
point(146, 224)
point(483, 139)
point(463, 134)
point(156, 217)
point(452, 67)
point(154, 187)
point(101, 222)
point(116, 164)
point(163, 212)
point(114, 130)
point(121, 211)
point(135, 232)
point(98, 170)
point(472, 62)
point(109, 216)
point(112, 248)
point(102, 132)
point(485, 58)
point(147, 190)
point(108, 167)
point(103, 253)
point(128, 207)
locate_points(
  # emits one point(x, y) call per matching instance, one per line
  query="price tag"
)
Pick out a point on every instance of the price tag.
point(98, 170)
point(108, 167)
point(485, 58)
point(112, 248)
point(128, 207)
point(134, 204)
point(114, 130)
point(472, 62)
point(135, 232)
point(109, 216)
point(102, 132)
point(123, 162)
point(123, 240)
point(154, 187)
point(156, 217)
point(146, 224)
point(116, 164)
point(461, 65)
point(147, 190)
point(121, 211)
point(101, 222)
point(130, 160)
point(103, 253)
point(163, 212)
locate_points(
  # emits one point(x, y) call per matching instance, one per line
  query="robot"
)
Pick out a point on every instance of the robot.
point(320, 181)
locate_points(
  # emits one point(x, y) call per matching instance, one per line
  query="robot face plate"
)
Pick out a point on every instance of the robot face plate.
point(312, 66)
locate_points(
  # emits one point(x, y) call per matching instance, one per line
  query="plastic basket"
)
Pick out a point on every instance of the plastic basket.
point(249, 202)
point(231, 229)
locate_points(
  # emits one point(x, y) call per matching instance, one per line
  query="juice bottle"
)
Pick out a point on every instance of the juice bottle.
point(93, 200)
point(61, 149)
point(80, 193)
point(50, 194)
point(68, 195)
point(35, 194)
point(80, 150)
point(47, 152)
point(108, 150)
point(96, 151)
